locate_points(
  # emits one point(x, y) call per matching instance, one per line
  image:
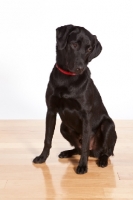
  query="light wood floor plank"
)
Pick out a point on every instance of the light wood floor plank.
point(2, 183)
point(43, 192)
point(68, 198)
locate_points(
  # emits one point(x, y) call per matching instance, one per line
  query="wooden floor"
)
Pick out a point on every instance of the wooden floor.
point(21, 141)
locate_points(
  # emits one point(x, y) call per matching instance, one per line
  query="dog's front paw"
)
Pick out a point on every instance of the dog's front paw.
point(103, 161)
point(82, 169)
point(39, 159)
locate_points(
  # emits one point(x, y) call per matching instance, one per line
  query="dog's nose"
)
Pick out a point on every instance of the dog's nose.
point(79, 70)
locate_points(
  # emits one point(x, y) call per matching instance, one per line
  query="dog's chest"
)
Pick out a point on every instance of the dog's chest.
point(69, 111)
point(64, 99)
point(65, 103)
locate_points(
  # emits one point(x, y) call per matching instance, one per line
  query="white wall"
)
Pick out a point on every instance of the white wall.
point(27, 52)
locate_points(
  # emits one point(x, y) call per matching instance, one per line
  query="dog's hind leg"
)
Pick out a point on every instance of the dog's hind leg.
point(70, 136)
point(109, 140)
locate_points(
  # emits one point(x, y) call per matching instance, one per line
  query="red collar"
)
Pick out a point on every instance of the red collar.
point(65, 72)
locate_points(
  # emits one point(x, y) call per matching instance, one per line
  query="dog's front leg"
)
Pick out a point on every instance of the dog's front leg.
point(86, 131)
point(50, 126)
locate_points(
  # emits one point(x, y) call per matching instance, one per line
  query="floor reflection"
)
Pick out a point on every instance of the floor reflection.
point(49, 189)
point(62, 182)
point(91, 184)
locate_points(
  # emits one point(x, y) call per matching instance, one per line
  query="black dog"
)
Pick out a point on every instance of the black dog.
point(72, 93)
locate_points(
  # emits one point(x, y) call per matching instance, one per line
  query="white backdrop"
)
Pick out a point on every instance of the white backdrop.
point(27, 52)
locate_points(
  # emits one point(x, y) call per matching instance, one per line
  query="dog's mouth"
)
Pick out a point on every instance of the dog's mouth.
point(78, 71)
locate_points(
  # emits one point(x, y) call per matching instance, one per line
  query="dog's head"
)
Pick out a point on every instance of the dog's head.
point(76, 47)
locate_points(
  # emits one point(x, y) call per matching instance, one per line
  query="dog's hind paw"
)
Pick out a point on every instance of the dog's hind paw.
point(65, 154)
point(68, 153)
point(82, 169)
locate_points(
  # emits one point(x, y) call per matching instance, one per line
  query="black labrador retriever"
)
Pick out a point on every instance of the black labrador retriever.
point(72, 93)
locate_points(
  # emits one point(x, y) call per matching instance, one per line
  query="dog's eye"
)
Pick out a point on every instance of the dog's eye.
point(75, 45)
point(89, 49)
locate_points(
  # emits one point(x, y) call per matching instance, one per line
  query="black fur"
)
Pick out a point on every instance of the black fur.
point(85, 121)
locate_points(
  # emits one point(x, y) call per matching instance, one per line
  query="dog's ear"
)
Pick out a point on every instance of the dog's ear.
point(97, 48)
point(62, 34)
